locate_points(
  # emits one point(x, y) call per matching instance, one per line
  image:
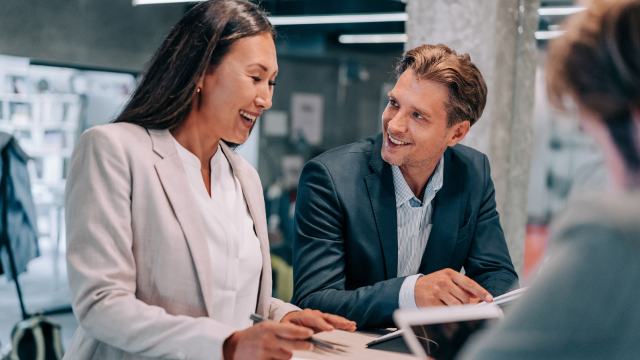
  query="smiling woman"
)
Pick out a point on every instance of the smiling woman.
point(172, 256)
point(234, 94)
point(229, 99)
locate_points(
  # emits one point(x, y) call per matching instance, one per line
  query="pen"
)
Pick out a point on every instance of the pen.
point(257, 318)
point(384, 338)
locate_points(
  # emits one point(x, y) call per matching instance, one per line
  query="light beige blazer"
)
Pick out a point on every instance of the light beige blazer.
point(139, 269)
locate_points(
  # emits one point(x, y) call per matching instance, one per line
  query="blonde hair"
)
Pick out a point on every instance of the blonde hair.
point(597, 64)
point(439, 63)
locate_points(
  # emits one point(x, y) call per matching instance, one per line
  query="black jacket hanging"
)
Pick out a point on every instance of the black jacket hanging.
point(22, 230)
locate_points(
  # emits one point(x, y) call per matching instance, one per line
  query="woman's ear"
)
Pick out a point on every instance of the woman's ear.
point(200, 83)
point(197, 96)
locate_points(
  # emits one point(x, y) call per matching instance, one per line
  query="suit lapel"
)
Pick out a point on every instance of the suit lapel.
point(176, 185)
point(255, 203)
point(383, 203)
point(445, 216)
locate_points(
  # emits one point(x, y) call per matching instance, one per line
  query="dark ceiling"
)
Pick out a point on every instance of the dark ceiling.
point(322, 38)
point(297, 7)
point(326, 36)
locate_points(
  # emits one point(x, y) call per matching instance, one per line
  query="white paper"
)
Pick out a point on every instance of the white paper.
point(357, 350)
point(307, 111)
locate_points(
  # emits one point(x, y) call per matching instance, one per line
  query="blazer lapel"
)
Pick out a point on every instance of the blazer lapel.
point(383, 203)
point(444, 220)
point(176, 186)
point(255, 203)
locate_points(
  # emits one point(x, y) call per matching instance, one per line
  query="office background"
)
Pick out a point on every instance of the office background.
point(66, 65)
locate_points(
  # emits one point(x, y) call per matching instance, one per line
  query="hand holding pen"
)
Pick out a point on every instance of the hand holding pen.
point(278, 340)
point(318, 320)
point(267, 340)
point(324, 345)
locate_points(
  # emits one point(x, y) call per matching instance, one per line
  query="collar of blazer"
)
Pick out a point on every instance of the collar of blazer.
point(382, 197)
point(447, 206)
point(175, 182)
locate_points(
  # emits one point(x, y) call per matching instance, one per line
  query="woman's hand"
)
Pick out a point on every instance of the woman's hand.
point(318, 321)
point(266, 340)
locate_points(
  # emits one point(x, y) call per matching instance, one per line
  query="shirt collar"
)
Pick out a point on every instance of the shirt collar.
point(192, 160)
point(404, 193)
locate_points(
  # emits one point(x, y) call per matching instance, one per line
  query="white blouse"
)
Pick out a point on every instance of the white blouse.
point(234, 248)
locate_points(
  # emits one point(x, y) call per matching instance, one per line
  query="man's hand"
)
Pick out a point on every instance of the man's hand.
point(318, 321)
point(448, 287)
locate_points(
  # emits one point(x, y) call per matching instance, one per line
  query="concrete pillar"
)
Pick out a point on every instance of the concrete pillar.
point(499, 36)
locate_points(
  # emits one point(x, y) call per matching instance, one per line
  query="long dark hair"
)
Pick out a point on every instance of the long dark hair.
point(197, 43)
point(597, 63)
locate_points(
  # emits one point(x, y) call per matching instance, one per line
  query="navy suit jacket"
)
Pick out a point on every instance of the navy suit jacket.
point(345, 250)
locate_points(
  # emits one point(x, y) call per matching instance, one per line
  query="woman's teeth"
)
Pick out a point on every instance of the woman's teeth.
point(396, 141)
point(247, 116)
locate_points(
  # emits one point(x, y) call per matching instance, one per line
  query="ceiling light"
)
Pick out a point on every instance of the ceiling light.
point(309, 19)
point(549, 34)
point(372, 38)
point(149, 2)
point(560, 11)
point(338, 19)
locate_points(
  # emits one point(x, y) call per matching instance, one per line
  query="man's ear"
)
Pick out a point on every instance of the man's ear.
point(458, 131)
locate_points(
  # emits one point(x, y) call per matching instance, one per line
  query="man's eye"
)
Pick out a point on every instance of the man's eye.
point(417, 115)
point(272, 83)
point(393, 103)
point(256, 78)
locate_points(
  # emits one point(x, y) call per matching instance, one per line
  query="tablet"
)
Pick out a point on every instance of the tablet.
point(440, 332)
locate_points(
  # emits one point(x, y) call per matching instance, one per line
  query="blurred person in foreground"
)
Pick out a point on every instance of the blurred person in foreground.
point(167, 251)
point(584, 305)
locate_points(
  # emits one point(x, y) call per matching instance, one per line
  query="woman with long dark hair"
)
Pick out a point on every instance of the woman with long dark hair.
point(584, 305)
point(167, 249)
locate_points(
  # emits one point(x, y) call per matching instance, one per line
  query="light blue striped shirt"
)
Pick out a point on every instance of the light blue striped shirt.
point(414, 227)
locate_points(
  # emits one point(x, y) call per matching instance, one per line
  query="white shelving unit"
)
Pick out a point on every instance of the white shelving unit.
point(46, 108)
point(46, 126)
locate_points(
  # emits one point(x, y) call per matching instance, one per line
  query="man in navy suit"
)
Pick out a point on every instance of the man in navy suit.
point(390, 221)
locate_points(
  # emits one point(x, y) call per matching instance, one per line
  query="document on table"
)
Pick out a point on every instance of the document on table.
point(356, 350)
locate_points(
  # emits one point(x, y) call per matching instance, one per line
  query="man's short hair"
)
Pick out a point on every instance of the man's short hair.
point(439, 63)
